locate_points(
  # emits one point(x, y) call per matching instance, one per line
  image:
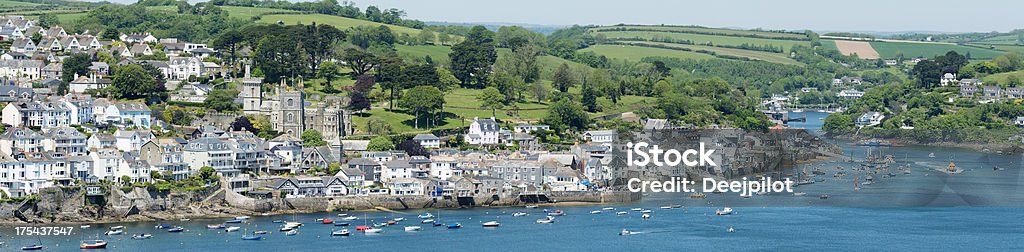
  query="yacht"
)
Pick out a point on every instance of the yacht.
point(723, 211)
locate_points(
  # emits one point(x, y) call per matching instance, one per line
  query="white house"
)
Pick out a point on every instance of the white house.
point(870, 119)
point(599, 136)
point(850, 94)
point(428, 141)
point(131, 140)
point(483, 132)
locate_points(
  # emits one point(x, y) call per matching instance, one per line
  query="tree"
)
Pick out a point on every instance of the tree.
point(566, 115)
point(207, 174)
point(446, 80)
point(243, 123)
point(312, 138)
point(426, 37)
point(927, 73)
point(317, 43)
point(229, 41)
point(521, 63)
point(359, 61)
point(419, 75)
point(221, 100)
point(329, 72)
point(364, 83)
point(379, 127)
point(279, 57)
point(471, 59)
point(444, 38)
point(380, 143)
point(413, 148)
point(492, 98)
point(359, 102)
point(423, 100)
point(589, 98)
point(563, 78)
point(132, 81)
point(389, 71)
point(540, 91)
point(178, 116)
point(76, 64)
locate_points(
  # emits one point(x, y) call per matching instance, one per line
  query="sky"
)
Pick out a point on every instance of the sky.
point(818, 15)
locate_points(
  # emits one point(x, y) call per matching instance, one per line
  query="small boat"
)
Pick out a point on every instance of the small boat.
point(293, 224)
point(731, 230)
point(176, 230)
point(232, 229)
point(608, 209)
point(666, 207)
point(252, 237)
point(141, 236)
point(697, 195)
point(646, 211)
point(343, 232)
point(362, 228)
point(327, 221)
point(340, 224)
point(491, 224)
point(625, 232)
point(546, 220)
point(517, 214)
point(427, 221)
point(94, 244)
point(278, 221)
point(114, 232)
point(291, 232)
point(437, 224)
point(233, 221)
point(595, 212)
point(350, 218)
point(425, 216)
point(556, 213)
point(259, 232)
point(162, 226)
point(823, 196)
point(397, 219)
point(637, 209)
point(676, 206)
point(184, 219)
point(454, 225)
point(242, 217)
point(799, 194)
point(931, 155)
point(342, 215)
point(621, 213)
point(380, 225)
point(286, 229)
point(214, 226)
point(319, 220)
point(646, 216)
point(412, 228)
point(116, 227)
point(531, 206)
point(84, 226)
point(373, 231)
point(33, 247)
point(723, 211)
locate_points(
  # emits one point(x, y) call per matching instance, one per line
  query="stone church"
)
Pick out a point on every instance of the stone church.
point(291, 112)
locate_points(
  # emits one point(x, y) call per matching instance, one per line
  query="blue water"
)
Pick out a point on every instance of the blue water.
point(981, 209)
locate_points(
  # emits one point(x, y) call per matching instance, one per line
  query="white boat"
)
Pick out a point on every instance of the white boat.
point(292, 224)
point(608, 209)
point(621, 213)
point(350, 218)
point(291, 232)
point(491, 224)
point(286, 229)
point(412, 228)
point(243, 217)
point(84, 226)
point(547, 220)
point(373, 230)
point(185, 219)
point(666, 207)
point(427, 221)
point(232, 229)
point(731, 230)
point(425, 216)
point(116, 227)
point(637, 209)
point(397, 219)
point(595, 212)
point(343, 232)
point(723, 211)
point(646, 216)
point(531, 206)
point(799, 194)
point(625, 232)
point(141, 236)
point(343, 215)
point(646, 211)
point(114, 232)
point(931, 155)
point(517, 214)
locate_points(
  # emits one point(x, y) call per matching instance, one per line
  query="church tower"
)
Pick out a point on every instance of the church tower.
point(251, 93)
point(292, 112)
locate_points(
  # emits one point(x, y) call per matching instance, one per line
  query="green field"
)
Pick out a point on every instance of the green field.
point(704, 39)
point(340, 22)
point(247, 13)
point(636, 53)
point(1001, 77)
point(929, 50)
point(1009, 39)
point(8, 4)
point(724, 32)
point(418, 52)
point(758, 55)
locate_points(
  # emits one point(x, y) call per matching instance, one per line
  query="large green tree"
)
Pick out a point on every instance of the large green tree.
point(492, 98)
point(423, 100)
point(132, 81)
point(312, 138)
point(563, 78)
point(471, 59)
point(567, 115)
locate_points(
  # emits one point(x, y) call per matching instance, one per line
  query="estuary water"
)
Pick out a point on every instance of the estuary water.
point(979, 209)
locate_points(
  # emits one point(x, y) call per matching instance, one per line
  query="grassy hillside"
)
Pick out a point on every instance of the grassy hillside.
point(9, 4)
point(758, 55)
point(929, 50)
point(693, 29)
point(636, 53)
point(705, 39)
point(1001, 77)
point(418, 52)
point(340, 22)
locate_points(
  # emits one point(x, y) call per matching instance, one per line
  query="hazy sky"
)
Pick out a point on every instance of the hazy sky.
point(821, 15)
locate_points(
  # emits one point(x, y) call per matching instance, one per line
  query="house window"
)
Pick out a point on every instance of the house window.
point(291, 116)
point(291, 102)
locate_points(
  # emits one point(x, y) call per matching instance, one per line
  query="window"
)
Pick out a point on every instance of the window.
point(291, 102)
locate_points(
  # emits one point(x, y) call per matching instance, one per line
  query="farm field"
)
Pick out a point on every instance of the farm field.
point(1009, 39)
point(758, 55)
point(417, 53)
point(9, 4)
point(247, 13)
point(636, 53)
point(340, 22)
point(861, 48)
point(1001, 77)
point(1005, 48)
point(694, 29)
point(929, 50)
point(704, 39)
